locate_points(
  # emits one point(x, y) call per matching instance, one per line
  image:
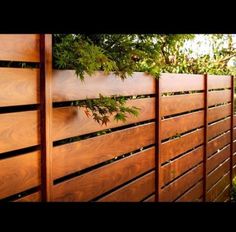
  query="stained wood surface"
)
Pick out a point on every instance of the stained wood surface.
point(219, 97)
point(180, 82)
point(150, 199)
point(133, 192)
point(224, 196)
point(176, 168)
point(180, 124)
point(175, 147)
point(72, 121)
point(72, 157)
point(182, 184)
point(19, 47)
point(218, 128)
point(219, 112)
point(19, 130)
point(219, 81)
point(90, 185)
point(19, 86)
point(67, 86)
point(19, 173)
point(34, 197)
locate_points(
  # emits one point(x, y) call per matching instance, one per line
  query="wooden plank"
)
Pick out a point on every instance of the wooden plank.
point(180, 124)
point(218, 128)
point(218, 143)
point(19, 173)
point(172, 191)
point(217, 189)
point(19, 86)
point(224, 196)
point(19, 47)
point(92, 184)
point(218, 97)
point(215, 160)
point(133, 192)
point(219, 112)
point(175, 147)
point(193, 194)
point(68, 87)
point(219, 81)
point(72, 121)
point(76, 156)
point(19, 130)
point(180, 82)
point(215, 175)
point(234, 146)
point(234, 120)
point(177, 167)
point(185, 103)
point(150, 199)
point(34, 197)
point(234, 133)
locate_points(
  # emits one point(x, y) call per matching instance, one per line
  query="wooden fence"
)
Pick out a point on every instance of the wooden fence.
point(180, 147)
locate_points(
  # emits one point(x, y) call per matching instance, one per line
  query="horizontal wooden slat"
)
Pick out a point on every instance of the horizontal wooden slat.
point(219, 81)
point(67, 86)
point(218, 112)
point(193, 194)
point(150, 199)
point(224, 196)
point(19, 173)
point(177, 167)
point(218, 143)
point(182, 184)
point(72, 121)
point(234, 159)
point(215, 175)
point(76, 156)
point(101, 180)
point(234, 171)
point(19, 86)
point(218, 158)
point(218, 128)
point(19, 47)
point(234, 118)
point(217, 189)
point(186, 102)
point(219, 97)
point(133, 192)
point(18, 130)
point(180, 82)
point(180, 124)
point(234, 133)
point(175, 147)
point(34, 197)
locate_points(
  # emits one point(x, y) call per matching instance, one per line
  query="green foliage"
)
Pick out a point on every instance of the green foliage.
point(102, 108)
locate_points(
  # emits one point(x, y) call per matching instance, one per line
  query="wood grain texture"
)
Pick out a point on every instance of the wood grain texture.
point(218, 128)
point(180, 124)
point(19, 47)
point(185, 103)
point(219, 81)
point(150, 199)
point(215, 160)
point(172, 191)
point(193, 194)
point(68, 87)
point(19, 86)
point(34, 197)
point(170, 82)
point(76, 156)
point(72, 121)
point(219, 112)
point(175, 147)
point(90, 185)
point(19, 173)
point(217, 174)
point(218, 143)
point(218, 188)
point(234, 119)
point(176, 168)
point(218, 97)
point(19, 130)
point(134, 191)
point(224, 196)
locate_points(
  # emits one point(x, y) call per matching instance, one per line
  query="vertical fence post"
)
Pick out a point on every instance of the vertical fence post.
point(46, 114)
point(205, 136)
point(157, 138)
point(232, 132)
